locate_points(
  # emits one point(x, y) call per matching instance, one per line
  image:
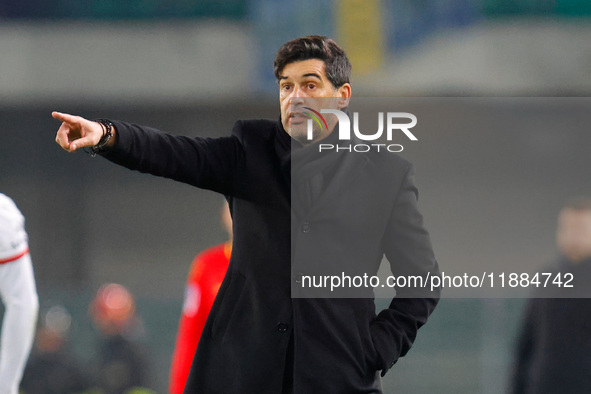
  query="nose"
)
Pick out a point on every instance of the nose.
point(297, 96)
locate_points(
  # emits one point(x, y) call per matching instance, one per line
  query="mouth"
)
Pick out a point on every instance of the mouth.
point(298, 117)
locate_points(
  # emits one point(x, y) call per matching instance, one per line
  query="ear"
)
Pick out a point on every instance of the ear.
point(344, 95)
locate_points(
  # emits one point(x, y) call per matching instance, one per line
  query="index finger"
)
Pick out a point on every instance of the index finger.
point(64, 117)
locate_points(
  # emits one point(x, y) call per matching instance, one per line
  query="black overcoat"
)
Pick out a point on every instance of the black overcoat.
point(553, 349)
point(258, 335)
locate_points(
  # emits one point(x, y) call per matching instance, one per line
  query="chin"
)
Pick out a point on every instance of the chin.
point(302, 139)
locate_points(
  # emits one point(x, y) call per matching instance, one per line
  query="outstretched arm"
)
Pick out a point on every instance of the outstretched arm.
point(209, 163)
point(77, 132)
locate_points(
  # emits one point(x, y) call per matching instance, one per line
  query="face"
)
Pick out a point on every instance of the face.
point(304, 84)
point(574, 234)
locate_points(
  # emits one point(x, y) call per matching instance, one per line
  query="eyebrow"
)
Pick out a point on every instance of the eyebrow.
point(312, 75)
point(304, 76)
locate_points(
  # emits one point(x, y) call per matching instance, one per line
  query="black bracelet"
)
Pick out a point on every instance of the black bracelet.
point(107, 127)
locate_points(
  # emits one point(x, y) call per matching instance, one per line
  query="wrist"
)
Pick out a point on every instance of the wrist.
point(107, 139)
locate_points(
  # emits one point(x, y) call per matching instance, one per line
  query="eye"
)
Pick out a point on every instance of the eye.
point(285, 87)
point(311, 86)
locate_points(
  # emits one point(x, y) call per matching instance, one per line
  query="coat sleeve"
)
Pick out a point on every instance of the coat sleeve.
point(407, 247)
point(209, 163)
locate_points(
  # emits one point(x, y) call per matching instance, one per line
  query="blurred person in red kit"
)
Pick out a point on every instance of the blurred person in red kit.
point(205, 278)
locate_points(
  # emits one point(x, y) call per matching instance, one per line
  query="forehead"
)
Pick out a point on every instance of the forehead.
point(304, 68)
point(575, 216)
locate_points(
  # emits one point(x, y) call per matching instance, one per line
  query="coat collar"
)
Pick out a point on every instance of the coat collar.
point(316, 178)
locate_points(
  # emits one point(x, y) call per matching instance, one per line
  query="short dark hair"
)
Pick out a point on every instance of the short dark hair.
point(336, 64)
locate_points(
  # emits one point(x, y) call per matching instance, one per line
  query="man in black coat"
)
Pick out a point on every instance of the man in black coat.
point(553, 352)
point(297, 212)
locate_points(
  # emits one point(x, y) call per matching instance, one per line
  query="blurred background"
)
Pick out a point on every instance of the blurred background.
point(490, 195)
